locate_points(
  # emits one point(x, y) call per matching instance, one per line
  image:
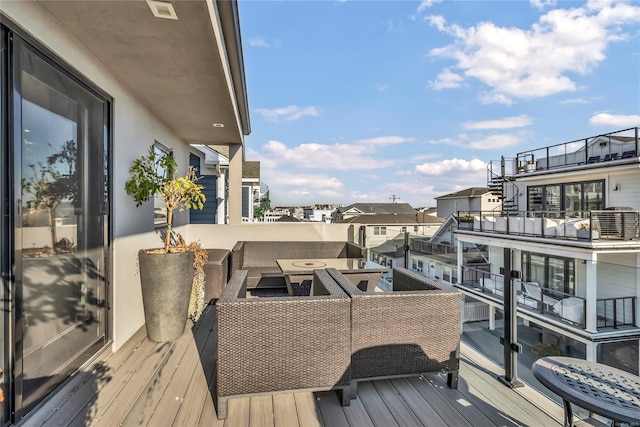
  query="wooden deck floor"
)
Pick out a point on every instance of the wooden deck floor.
point(168, 385)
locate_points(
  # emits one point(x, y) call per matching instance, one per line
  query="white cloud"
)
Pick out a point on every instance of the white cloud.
point(258, 42)
point(447, 79)
point(385, 140)
point(493, 142)
point(321, 156)
point(381, 87)
point(481, 142)
point(308, 181)
point(505, 123)
point(451, 165)
point(494, 98)
point(574, 101)
point(537, 62)
point(425, 4)
point(605, 119)
point(542, 4)
point(292, 112)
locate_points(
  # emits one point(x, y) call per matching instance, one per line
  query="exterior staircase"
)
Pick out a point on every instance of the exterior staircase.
point(502, 184)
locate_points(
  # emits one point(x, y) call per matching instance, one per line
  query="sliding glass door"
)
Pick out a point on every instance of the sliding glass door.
point(60, 189)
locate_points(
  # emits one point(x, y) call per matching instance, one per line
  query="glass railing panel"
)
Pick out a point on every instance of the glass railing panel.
point(614, 146)
point(594, 225)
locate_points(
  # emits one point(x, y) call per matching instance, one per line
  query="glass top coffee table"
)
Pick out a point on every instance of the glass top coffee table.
point(298, 273)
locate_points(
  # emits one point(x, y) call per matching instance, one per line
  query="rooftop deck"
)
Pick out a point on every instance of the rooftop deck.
point(169, 384)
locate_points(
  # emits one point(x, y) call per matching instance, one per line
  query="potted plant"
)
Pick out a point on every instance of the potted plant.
point(529, 167)
point(465, 222)
point(584, 232)
point(167, 273)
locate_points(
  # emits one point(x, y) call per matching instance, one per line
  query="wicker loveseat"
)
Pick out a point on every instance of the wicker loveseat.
point(413, 330)
point(278, 344)
point(259, 257)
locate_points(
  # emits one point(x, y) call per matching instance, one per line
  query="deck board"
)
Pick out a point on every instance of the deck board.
point(284, 411)
point(399, 409)
point(421, 408)
point(171, 384)
point(444, 407)
point(375, 406)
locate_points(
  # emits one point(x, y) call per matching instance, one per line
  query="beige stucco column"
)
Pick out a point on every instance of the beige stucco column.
point(236, 155)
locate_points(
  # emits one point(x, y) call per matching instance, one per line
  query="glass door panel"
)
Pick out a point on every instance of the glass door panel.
point(552, 200)
point(60, 233)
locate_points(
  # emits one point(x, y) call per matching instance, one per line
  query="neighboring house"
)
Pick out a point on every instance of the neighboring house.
point(213, 170)
point(93, 85)
point(436, 257)
point(573, 244)
point(433, 211)
point(376, 230)
point(390, 253)
point(319, 213)
point(470, 199)
point(345, 212)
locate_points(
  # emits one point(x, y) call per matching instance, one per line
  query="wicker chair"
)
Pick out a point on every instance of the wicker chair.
point(413, 330)
point(259, 257)
point(280, 344)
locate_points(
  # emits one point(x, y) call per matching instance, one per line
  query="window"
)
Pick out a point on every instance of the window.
point(379, 231)
point(159, 208)
point(403, 229)
point(414, 263)
point(553, 273)
point(573, 198)
point(246, 200)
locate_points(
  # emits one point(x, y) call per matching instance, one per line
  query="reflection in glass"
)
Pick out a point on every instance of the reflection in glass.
point(60, 233)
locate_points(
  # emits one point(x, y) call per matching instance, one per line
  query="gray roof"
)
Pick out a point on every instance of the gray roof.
point(467, 193)
point(251, 169)
point(393, 219)
point(380, 208)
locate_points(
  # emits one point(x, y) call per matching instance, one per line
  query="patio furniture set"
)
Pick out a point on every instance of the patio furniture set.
point(334, 337)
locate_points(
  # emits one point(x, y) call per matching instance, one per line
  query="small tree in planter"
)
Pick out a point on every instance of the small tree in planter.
point(167, 273)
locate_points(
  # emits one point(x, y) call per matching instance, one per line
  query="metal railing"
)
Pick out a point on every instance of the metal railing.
point(569, 308)
point(569, 225)
point(615, 312)
point(600, 149)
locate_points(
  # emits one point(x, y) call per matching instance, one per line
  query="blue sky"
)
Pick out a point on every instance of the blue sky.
point(355, 101)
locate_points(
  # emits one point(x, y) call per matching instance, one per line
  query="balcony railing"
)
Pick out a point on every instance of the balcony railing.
point(567, 225)
point(569, 308)
point(600, 149)
point(615, 312)
point(611, 312)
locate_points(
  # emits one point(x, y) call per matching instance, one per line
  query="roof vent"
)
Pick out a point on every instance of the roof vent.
point(162, 9)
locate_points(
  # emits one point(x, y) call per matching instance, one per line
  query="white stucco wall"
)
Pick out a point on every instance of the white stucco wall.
point(134, 128)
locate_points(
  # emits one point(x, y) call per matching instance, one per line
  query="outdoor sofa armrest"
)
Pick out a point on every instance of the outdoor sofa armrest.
point(404, 332)
point(275, 344)
point(355, 251)
point(237, 257)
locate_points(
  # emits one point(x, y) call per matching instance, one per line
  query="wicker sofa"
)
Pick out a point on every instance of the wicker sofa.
point(413, 330)
point(279, 344)
point(259, 257)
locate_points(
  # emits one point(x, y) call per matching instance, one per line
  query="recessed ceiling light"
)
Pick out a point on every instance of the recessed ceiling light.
point(218, 125)
point(162, 9)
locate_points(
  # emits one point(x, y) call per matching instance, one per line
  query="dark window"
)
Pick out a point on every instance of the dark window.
point(553, 273)
point(246, 200)
point(572, 198)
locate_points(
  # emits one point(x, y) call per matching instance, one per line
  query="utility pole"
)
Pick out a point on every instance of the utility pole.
point(394, 198)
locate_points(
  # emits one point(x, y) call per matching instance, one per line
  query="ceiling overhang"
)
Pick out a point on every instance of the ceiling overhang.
point(187, 71)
